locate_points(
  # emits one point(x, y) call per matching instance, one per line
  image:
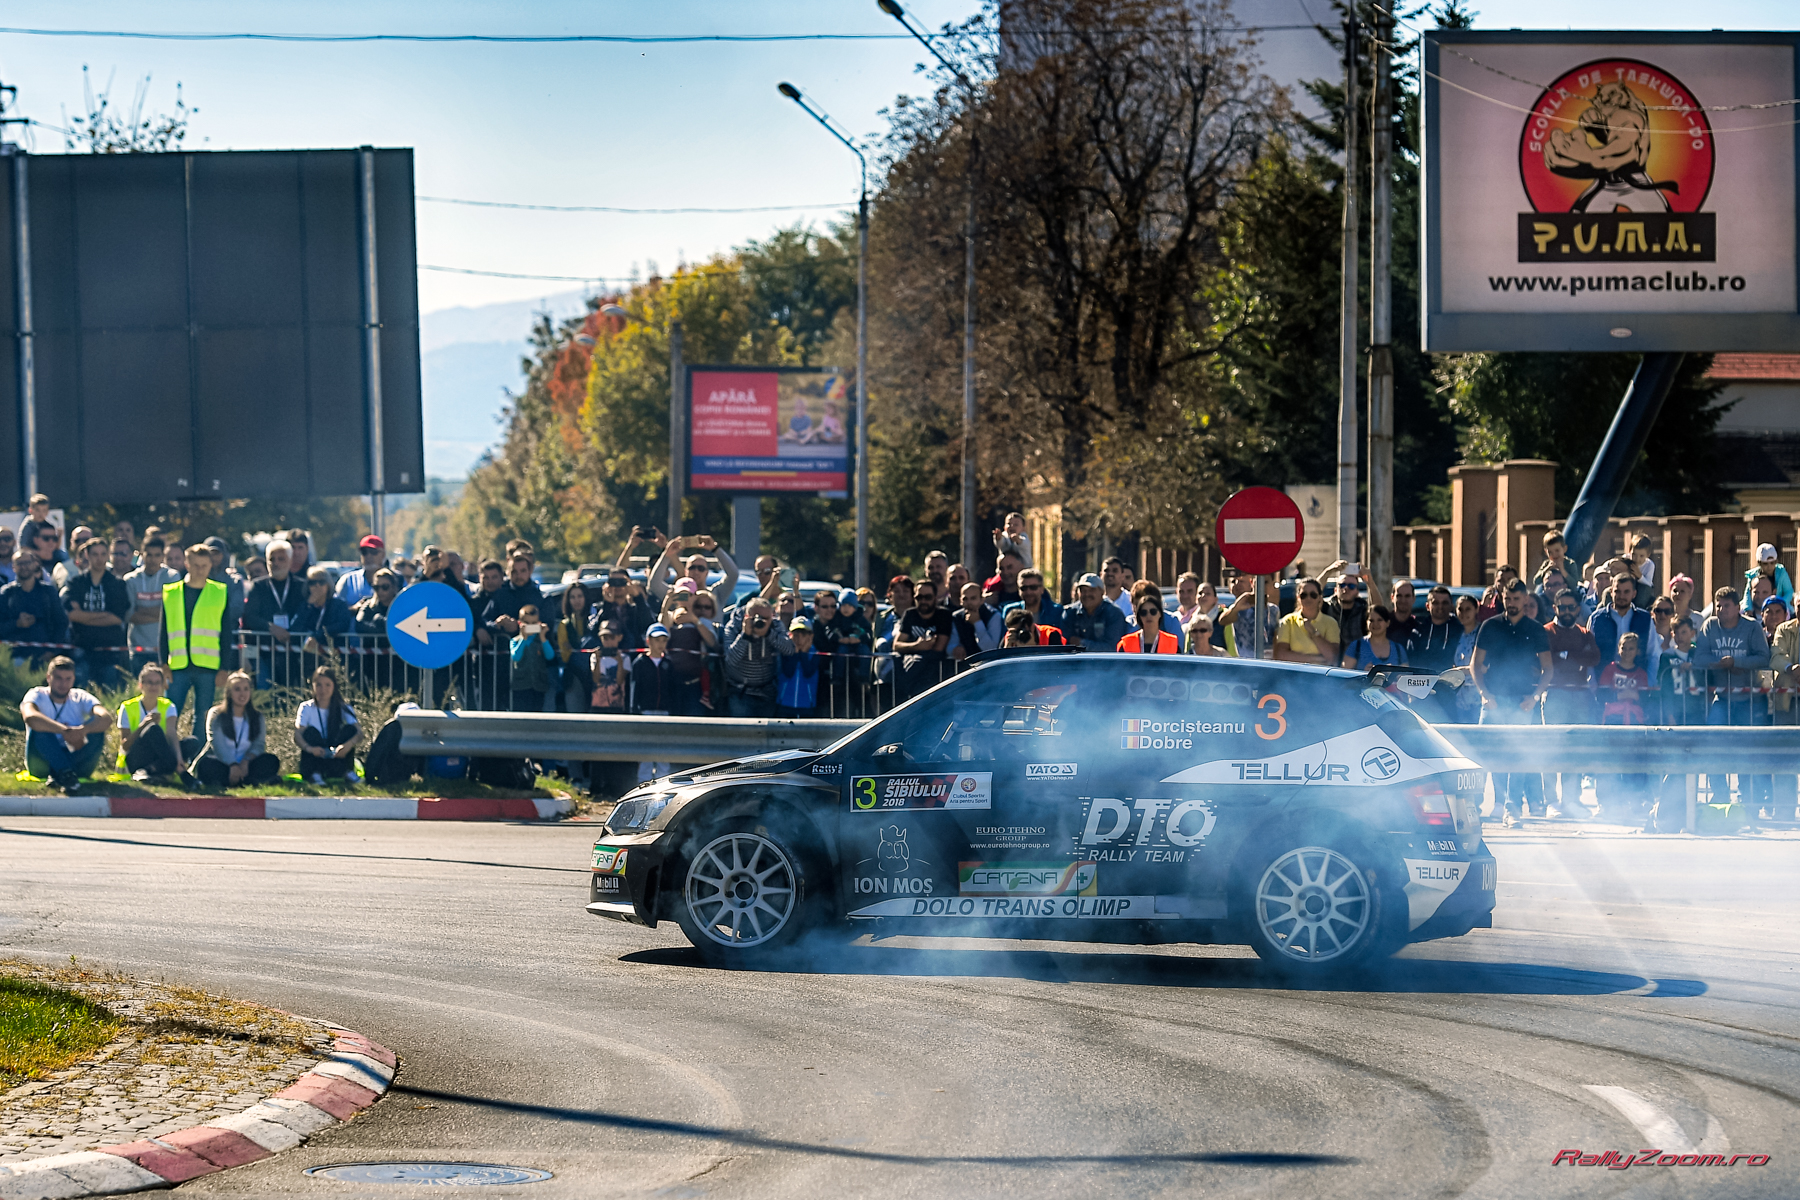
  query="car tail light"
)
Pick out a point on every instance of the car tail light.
point(1430, 805)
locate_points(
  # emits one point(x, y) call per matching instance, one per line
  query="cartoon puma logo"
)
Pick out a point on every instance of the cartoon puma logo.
point(892, 855)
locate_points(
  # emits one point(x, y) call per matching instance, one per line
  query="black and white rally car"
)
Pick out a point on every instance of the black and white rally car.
point(1093, 797)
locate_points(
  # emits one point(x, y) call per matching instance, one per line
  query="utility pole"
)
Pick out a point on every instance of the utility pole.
point(1346, 480)
point(1381, 355)
point(677, 428)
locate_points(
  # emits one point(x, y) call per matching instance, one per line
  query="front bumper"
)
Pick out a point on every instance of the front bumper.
point(626, 890)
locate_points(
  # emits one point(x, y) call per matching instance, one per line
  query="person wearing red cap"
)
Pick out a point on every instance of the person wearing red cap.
point(353, 587)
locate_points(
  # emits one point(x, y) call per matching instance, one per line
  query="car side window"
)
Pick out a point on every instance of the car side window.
point(1012, 716)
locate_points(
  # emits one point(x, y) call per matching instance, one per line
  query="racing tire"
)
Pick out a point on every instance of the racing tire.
point(746, 892)
point(1314, 910)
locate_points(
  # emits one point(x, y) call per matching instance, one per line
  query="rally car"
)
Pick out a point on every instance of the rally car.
point(1309, 813)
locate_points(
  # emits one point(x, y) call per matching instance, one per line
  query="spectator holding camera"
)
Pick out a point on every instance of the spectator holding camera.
point(797, 673)
point(753, 643)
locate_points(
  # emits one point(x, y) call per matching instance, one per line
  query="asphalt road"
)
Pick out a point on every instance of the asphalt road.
point(533, 1034)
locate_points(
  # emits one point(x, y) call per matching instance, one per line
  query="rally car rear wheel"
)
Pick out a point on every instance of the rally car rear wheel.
point(743, 893)
point(1316, 909)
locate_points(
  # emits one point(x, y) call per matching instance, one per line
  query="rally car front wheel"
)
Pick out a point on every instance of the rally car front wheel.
point(1315, 910)
point(745, 893)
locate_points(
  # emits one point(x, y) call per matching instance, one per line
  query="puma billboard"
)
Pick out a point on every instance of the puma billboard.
point(1600, 191)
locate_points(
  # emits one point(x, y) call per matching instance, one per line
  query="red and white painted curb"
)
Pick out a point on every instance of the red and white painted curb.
point(354, 1077)
point(290, 808)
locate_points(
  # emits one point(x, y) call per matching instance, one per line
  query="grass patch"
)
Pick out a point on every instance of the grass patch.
point(44, 1028)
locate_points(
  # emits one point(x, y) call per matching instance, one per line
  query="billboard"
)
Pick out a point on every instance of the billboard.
point(197, 325)
point(1610, 191)
point(769, 430)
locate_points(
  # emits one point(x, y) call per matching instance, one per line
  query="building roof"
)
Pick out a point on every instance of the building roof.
point(1760, 459)
point(1756, 368)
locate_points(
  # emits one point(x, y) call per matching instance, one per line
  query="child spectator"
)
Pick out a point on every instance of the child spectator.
point(611, 671)
point(1623, 683)
point(234, 753)
point(653, 689)
point(1768, 565)
point(327, 732)
point(1011, 539)
point(532, 655)
point(797, 673)
point(150, 741)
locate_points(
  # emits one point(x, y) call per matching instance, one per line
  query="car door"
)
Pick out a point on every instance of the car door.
point(959, 804)
point(1204, 751)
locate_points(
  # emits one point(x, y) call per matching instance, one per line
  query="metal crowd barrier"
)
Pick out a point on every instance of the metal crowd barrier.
point(853, 687)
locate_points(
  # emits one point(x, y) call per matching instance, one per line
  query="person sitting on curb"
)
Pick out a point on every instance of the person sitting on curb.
point(150, 741)
point(234, 755)
point(326, 731)
point(66, 727)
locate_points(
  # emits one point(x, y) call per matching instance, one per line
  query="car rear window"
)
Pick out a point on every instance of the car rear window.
point(1413, 735)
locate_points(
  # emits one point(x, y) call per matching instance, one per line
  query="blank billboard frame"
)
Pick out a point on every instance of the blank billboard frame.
point(199, 325)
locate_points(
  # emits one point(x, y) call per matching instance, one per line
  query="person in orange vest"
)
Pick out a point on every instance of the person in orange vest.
point(1150, 637)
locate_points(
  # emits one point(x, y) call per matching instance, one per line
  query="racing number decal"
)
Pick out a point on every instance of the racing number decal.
point(1280, 703)
point(864, 795)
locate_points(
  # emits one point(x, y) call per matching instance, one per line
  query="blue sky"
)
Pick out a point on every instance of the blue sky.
point(639, 126)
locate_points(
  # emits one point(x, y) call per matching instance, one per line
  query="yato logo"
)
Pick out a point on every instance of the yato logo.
point(1050, 770)
point(1616, 158)
point(1381, 763)
point(1129, 822)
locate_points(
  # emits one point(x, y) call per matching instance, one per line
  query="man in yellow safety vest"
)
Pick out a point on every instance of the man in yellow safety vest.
point(193, 624)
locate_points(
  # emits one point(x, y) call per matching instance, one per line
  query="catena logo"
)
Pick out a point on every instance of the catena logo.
point(1027, 879)
point(1616, 158)
point(1049, 770)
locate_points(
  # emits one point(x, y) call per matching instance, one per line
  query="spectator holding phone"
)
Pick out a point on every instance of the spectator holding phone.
point(694, 566)
point(532, 656)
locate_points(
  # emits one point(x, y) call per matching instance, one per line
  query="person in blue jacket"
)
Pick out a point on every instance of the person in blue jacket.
point(1768, 562)
point(797, 673)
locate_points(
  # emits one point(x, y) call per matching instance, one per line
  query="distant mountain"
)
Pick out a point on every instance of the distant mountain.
point(471, 358)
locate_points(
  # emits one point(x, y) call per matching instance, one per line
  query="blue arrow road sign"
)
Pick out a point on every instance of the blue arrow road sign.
point(429, 625)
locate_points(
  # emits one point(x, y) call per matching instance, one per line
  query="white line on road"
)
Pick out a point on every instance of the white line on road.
point(1658, 1127)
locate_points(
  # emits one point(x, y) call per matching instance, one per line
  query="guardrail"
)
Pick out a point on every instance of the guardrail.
point(609, 737)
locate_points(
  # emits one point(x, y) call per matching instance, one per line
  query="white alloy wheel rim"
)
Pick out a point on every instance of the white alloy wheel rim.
point(1313, 904)
point(740, 889)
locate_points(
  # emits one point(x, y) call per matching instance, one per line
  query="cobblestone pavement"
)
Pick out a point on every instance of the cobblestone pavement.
point(185, 1057)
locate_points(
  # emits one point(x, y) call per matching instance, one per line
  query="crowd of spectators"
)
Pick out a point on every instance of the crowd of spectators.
point(1603, 644)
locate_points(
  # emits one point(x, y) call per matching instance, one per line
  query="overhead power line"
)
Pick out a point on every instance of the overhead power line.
point(606, 209)
point(628, 39)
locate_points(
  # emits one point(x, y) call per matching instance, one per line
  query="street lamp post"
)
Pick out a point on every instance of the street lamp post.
point(862, 337)
point(893, 9)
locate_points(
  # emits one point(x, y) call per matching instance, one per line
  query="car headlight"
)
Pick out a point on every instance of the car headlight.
point(633, 815)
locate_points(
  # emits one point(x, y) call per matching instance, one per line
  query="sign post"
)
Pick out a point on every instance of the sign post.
point(1259, 531)
point(429, 628)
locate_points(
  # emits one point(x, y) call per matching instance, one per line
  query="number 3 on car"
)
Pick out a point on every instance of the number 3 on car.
point(1097, 797)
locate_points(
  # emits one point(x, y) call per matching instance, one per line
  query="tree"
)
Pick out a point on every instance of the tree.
point(1559, 407)
point(105, 130)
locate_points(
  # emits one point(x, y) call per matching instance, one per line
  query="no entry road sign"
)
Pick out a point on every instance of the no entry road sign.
point(1259, 530)
point(429, 625)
